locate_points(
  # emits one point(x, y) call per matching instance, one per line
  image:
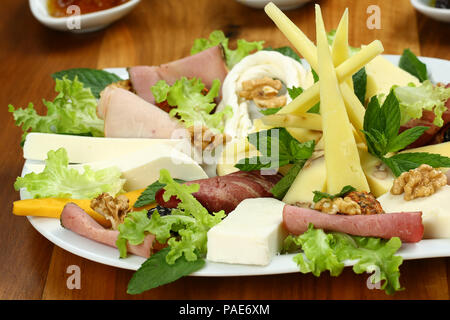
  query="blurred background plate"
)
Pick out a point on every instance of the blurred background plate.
point(88, 22)
point(423, 6)
point(282, 4)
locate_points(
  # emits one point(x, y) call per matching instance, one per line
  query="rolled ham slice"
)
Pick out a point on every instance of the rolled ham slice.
point(128, 116)
point(77, 220)
point(206, 65)
point(226, 192)
point(405, 225)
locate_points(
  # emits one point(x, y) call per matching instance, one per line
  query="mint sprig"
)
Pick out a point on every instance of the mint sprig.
point(278, 148)
point(381, 128)
point(318, 195)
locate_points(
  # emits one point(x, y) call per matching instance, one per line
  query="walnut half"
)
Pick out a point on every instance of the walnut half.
point(264, 92)
point(353, 203)
point(420, 182)
point(113, 209)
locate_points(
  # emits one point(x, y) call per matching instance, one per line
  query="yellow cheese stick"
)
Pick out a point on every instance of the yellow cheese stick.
point(340, 51)
point(308, 50)
point(307, 121)
point(341, 153)
point(310, 96)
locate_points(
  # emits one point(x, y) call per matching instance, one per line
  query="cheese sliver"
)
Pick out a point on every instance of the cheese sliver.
point(341, 153)
point(90, 149)
point(340, 51)
point(141, 168)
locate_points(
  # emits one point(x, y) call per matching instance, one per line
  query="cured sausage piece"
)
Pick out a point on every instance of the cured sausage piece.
point(226, 192)
point(77, 220)
point(405, 225)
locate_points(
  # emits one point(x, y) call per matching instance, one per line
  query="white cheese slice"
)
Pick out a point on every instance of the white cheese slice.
point(91, 149)
point(251, 234)
point(435, 211)
point(141, 168)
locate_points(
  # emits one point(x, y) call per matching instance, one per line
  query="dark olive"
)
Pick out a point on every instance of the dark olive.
point(163, 211)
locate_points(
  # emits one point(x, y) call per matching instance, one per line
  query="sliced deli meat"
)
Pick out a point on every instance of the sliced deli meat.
point(226, 192)
point(206, 65)
point(77, 220)
point(126, 115)
point(405, 225)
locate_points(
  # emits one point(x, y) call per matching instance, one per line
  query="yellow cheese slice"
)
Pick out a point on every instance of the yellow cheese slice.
point(382, 75)
point(379, 176)
point(441, 148)
point(341, 153)
point(313, 177)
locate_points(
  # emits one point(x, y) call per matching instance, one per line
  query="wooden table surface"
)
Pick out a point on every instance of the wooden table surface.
point(31, 267)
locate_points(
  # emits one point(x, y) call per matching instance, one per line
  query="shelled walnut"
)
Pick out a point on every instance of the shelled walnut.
point(264, 92)
point(203, 138)
point(113, 209)
point(423, 181)
point(353, 203)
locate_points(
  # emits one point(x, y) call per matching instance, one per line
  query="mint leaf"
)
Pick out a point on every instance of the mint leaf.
point(258, 163)
point(405, 138)
point(360, 85)
point(148, 195)
point(391, 115)
point(410, 63)
point(315, 76)
point(404, 162)
point(281, 188)
point(95, 79)
point(155, 272)
point(318, 195)
point(294, 92)
point(269, 111)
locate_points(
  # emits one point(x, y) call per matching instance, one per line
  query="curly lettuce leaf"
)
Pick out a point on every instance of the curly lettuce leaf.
point(191, 221)
point(192, 106)
point(74, 111)
point(327, 251)
point(58, 181)
point(244, 48)
point(413, 100)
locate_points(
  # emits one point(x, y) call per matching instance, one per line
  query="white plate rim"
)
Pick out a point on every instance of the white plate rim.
point(51, 229)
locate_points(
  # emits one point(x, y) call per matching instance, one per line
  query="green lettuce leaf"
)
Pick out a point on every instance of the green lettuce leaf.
point(244, 48)
point(327, 251)
point(74, 111)
point(192, 106)
point(413, 100)
point(58, 181)
point(190, 221)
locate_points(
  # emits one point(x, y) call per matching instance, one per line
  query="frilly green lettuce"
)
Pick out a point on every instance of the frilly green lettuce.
point(413, 100)
point(192, 106)
point(244, 48)
point(58, 181)
point(190, 220)
point(72, 112)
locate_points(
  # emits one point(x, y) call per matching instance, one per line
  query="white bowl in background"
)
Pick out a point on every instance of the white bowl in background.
point(434, 13)
point(282, 4)
point(87, 22)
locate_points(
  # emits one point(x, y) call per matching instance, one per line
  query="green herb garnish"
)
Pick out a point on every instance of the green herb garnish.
point(278, 148)
point(318, 195)
point(148, 195)
point(381, 128)
point(410, 63)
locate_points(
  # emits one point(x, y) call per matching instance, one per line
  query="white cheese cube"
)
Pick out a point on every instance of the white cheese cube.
point(251, 234)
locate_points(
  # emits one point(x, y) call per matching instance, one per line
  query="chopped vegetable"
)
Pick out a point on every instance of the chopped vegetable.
point(328, 251)
point(244, 48)
point(192, 106)
point(59, 181)
point(94, 79)
point(410, 63)
point(414, 100)
point(72, 112)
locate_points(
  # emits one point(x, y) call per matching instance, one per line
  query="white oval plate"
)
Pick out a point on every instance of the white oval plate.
point(89, 249)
